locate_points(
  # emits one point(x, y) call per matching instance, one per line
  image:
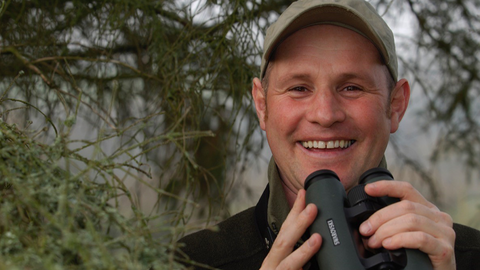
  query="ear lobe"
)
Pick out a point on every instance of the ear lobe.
point(260, 102)
point(398, 103)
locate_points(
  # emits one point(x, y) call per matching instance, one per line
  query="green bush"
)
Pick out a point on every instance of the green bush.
point(51, 218)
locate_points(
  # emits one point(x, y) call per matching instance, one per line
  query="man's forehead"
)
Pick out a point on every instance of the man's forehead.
point(326, 50)
point(319, 40)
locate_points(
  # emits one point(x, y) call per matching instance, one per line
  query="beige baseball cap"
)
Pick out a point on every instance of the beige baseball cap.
point(356, 15)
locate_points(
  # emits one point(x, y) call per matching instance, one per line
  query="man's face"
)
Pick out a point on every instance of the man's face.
point(327, 105)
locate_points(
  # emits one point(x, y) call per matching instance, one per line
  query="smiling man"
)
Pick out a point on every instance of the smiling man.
point(327, 105)
point(328, 97)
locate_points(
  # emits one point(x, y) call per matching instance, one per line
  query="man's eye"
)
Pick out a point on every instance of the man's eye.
point(299, 89)
point(352, 88)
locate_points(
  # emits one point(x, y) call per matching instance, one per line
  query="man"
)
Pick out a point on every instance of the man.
point(328, 98)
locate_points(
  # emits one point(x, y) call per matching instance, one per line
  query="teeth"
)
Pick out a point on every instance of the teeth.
point(321, 145)
point(328, 145)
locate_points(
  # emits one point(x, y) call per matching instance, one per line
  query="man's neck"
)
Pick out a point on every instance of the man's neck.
point(289, 194)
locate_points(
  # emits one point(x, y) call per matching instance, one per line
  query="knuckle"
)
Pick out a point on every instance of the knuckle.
point(442, 217)
point(376, 218)
point(306, 218)
point(407, 186)
point(413, 220)
point(445, 254)
point(447, 218)
point(304, 252)
point(282, 244)
point(448, 251)
point(432, 206)
point(289, 220)
point(451, 235)
point(423, 239)
point(407, 206)
point(445, 251)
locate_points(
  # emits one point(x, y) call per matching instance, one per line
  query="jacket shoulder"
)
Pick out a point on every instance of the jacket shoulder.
point(236, 244)
point(467, 247)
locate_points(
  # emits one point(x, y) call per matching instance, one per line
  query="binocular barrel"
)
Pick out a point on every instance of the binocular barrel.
point(339, 217)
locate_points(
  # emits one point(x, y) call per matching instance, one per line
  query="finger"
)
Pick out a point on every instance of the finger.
point(408, 223)
point(412, 223)
point(295, 225)
point(400, 209)
point(298, 220)
point(440, 251)
point(397, 189)
point(303, 254)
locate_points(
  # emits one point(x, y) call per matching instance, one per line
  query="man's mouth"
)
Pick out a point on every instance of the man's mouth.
point(328, 144)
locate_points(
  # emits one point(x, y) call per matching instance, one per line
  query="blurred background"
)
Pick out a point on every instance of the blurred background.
point(153, 97)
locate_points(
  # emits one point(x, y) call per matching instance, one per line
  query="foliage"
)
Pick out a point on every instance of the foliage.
point(128, 111)
point(447, 42)
point(52, 218)
point(177, 67)
point(117, 115)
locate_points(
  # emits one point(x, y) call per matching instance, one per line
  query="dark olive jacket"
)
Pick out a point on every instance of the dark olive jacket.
point(243, 240)
point(238, 245)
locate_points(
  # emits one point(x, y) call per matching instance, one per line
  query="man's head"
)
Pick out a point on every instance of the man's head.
point(328, 105)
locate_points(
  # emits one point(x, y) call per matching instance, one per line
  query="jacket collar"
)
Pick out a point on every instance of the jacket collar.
point(278, 207)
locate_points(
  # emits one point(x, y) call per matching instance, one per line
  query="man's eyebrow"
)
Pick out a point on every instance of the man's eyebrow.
point(348, 76)
point(306, 76)
point(289, 78)
point(341, 77)
point(300, 76)
point(295, 76)
point(362, 77)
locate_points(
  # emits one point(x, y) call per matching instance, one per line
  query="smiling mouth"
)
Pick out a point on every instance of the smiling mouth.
point(328, 145)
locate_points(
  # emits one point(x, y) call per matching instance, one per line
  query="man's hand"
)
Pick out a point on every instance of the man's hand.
point(411, 223)
point(282, 256)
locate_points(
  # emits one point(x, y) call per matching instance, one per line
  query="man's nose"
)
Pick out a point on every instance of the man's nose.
point(325, 108)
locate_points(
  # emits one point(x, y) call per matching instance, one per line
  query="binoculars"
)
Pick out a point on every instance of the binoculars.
point(339, 217)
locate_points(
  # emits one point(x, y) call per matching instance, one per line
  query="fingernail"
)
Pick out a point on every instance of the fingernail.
point(365, 228)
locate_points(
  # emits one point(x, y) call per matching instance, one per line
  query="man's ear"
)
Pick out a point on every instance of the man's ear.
point(398, 103)
point(260, 101)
